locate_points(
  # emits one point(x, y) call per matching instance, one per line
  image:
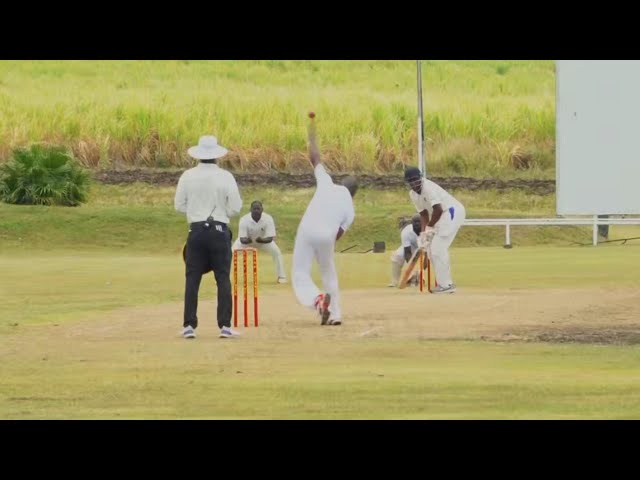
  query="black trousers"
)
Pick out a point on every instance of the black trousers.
point(208, 248)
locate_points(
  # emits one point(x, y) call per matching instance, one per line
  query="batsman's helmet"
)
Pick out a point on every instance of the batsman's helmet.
point(413, 176)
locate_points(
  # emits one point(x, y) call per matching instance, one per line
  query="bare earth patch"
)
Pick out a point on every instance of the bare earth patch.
point(601, 316)
point(306, 180)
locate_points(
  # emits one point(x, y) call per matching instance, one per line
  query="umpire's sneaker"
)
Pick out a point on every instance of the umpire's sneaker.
point(440, 289)
point(227, 332)
point(189, 332)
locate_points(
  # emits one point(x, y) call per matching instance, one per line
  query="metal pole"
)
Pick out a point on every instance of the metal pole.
point(422, 163)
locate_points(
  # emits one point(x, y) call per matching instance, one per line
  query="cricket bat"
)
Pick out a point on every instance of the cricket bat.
point(411, 264)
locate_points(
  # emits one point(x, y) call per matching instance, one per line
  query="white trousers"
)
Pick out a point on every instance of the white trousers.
point(270, 247)
point(446, 231)
point(319, 246)
point(398, 255)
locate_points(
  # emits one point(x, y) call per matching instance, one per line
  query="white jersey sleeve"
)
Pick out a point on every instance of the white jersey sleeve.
point(242, 227)
point(408, 237)
point(433, 194)
point(180, 200)
point(349, 213)
point(322, 177)
point(234, 200)
point(269, 226)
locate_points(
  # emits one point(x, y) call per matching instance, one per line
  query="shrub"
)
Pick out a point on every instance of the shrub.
point(43, 175)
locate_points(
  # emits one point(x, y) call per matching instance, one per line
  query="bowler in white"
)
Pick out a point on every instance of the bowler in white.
point(328, 216)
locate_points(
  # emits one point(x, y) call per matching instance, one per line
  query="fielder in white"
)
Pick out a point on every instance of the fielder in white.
point(258, 230)
point(409, 244)
point(328, 216)
point(442, 216)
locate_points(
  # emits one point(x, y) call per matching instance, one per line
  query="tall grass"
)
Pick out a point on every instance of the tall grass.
point(146, 113)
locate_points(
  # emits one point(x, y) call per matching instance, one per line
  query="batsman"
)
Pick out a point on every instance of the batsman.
point(442, 215)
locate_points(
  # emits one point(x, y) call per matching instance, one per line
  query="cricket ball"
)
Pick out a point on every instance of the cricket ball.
point(312, 115)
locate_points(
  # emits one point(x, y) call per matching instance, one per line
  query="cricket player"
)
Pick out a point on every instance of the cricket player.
point(442, 216)
point(258, 230)
point(409, 237)
point(328, 216)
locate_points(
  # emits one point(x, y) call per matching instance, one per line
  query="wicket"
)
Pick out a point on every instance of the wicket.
point(424, 256)
point(245, 283)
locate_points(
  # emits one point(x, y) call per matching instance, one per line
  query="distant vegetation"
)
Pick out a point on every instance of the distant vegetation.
point(482, 118)
point(43, 175)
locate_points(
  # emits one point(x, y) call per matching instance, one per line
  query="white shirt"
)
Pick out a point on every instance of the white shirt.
point(330, 208)
point(207, 188)
point(431, 195)
point(263, 228)
point(408, 238)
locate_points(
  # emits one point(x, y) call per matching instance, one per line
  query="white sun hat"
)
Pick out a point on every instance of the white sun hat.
point(207, 149)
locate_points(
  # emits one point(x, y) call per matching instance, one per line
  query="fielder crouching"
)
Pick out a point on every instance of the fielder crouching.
point(409, 244)
point(258, 230)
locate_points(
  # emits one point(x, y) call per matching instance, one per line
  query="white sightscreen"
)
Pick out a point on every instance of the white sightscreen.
point(597, 137)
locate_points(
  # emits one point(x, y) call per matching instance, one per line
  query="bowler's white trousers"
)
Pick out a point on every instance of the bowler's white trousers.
point(319, 246)
point(445, 231)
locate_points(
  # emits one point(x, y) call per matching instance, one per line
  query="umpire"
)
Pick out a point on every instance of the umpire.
point(208, 195)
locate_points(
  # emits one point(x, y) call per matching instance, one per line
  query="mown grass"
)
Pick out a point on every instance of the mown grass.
point(65, 269)
point(56, 364)
point(482, 118)
point(52, 286)
point(141, 218)
point(341, 379)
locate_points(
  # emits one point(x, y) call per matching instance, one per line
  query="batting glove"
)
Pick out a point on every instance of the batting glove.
point(427, 235)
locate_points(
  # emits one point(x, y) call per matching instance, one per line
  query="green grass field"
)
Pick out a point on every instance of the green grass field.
point(90, 309)
point(40, 287)
point(70, 348)
point(482, 118)
point(369, 380)
point(141, 218)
